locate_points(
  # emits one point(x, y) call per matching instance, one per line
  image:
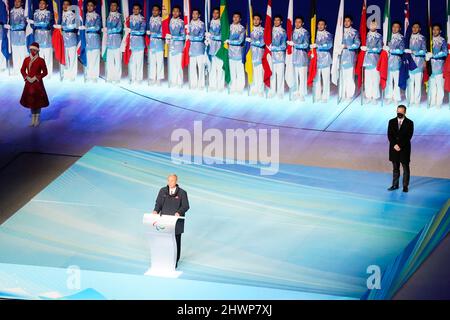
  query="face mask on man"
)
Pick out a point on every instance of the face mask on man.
point(400, 115)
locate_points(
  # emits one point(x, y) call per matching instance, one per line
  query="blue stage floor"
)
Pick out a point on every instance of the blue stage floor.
point(305, 233)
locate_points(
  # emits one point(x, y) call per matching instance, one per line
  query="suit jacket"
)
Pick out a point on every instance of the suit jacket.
point(170, 204)
point(402, 137)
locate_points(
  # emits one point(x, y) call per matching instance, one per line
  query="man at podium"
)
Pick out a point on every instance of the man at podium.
point(172, 200)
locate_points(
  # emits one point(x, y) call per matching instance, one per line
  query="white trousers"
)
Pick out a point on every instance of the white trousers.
point(415, 87)
point(258, 80)
point(197, 72)
point(136, 66)
point(347, 83)
point(301, 81)
point(92, 71)
point(113, 64)
point(392, 88)
point(156, 65)
point(372, 83)
point(436, 90)
point(69, 71)
point(19, 53)
point(175, 70)
point(2, 59)
point(47, 55)
point(322, 84)
point(237, 76)
point(277, 79)
point(216, 75)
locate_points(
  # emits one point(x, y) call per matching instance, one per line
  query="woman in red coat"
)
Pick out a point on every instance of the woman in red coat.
point(34, 96)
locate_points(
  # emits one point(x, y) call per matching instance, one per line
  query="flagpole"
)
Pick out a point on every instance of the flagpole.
point(207, 62)
point(430, 31)
point(362, 84)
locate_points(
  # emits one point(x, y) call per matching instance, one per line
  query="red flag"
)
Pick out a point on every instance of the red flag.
point(58, 46)
point(187, 44)
point(447, 73)
point(267, 57)
point(57, 38)
point(127, 52)
point(363, 35)
point(382, 67)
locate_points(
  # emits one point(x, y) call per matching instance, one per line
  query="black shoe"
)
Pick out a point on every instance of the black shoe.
point(405, 189)
point(392, 188)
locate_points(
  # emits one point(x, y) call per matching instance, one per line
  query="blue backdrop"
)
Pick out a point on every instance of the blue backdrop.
point(326, 9)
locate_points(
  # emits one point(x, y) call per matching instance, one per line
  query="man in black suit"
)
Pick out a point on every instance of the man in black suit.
point(172, 200)
point(400, 132)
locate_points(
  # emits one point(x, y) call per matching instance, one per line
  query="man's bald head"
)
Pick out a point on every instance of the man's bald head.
point(172, 180)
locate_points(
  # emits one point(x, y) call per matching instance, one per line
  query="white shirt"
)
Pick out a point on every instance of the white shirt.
point(172, 190)
point(400, 122)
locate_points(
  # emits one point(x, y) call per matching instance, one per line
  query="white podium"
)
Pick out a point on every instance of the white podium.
point(163, 247)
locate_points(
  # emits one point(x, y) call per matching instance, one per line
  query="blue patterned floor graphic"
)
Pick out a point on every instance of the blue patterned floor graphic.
point(305, 233)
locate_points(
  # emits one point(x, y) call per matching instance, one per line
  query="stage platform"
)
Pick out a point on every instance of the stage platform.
point(345, 135)
point(304, 233)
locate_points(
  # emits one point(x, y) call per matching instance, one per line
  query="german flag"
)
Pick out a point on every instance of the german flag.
point(313, 52)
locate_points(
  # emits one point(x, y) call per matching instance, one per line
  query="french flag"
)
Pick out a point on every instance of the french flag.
point(267, 57)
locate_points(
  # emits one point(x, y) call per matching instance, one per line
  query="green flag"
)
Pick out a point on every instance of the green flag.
point(387, 32)
point(222, 53)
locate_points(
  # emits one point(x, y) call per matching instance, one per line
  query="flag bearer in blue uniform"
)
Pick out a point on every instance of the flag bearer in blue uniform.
point(197, 51)
point(156, 48)
point(300, 44)
point(418, 50)
point(93, 26)
point(138, 27)
point(43, 22)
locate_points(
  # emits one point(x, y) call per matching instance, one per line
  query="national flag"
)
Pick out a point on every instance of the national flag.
point(222, 53)
point(125, 46)
point(187, 43)
point(57, 37)
point(207, 21)
point(105, 13)
point(247, 53)
point(147, 14)
point(382, 66)
point(165, 21)
point(81, 45)
point(363, 36)
point(29, 12)
point(427, 65)
point(407, 16)
point(447, 61)
point(387, 32)
point(4, 18)
point(338, 40)
point(267, 56)
point(313, 52)
point(289, 72)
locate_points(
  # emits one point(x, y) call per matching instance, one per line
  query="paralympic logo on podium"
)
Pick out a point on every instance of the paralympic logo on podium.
point(158, 227)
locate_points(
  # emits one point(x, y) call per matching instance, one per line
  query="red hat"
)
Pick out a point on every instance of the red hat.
point(34, 46)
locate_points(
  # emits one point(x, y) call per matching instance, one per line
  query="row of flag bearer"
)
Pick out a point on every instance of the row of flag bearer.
point(387, 66)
